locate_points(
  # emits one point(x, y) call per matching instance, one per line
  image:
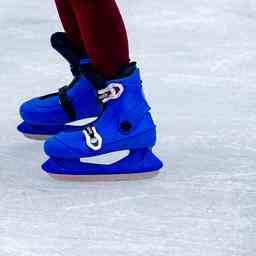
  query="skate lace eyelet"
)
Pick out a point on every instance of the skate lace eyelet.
point(111, 92)
point(125, 126)
point(94, 141)
point(93, 138)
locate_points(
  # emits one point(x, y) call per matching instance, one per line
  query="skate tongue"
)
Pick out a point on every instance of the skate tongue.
point(95, 77)
point(127, 70)
point(68, 51)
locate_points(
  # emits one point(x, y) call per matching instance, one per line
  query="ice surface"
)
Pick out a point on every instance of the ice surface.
point(198, 59)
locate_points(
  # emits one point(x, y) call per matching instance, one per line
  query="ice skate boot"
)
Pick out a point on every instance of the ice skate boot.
point(125, 124)
point(48, 115)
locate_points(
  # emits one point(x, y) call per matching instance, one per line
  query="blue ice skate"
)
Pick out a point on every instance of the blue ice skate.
point(48, 115)
point(125, 124)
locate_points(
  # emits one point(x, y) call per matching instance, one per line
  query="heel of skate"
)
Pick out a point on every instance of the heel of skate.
point(44, 132)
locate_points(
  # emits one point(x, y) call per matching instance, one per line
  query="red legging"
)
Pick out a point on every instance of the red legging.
point(96, 28)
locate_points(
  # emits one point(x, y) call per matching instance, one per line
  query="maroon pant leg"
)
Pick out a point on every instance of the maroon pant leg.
point(70, 25)
point(103, 33)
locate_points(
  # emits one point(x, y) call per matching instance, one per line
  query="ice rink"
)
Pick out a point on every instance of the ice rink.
point(198, 59)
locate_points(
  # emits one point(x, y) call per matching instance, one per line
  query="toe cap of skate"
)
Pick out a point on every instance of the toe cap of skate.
point(28, 111)
point(55, 147)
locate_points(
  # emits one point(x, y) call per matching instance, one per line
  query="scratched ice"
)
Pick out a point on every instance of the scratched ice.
point(198, 59)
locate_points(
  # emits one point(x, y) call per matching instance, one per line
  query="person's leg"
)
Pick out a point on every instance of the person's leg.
point(70, 25)
point(103, 33)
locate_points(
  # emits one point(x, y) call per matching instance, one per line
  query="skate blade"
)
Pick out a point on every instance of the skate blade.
point(138, 164)
point(38, 137)
point(105, 178)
